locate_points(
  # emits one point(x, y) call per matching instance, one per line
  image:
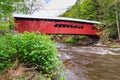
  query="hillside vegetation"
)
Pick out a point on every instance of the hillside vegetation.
point(106, 11)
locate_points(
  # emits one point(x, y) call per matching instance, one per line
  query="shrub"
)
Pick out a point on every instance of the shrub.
point(70, 40)
point(30, 49)
point(82, 37)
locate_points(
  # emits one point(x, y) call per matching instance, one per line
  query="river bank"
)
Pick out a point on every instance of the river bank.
point(82, 40)
point(81, 63)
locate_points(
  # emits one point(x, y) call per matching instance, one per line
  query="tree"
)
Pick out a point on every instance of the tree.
point(109, 9)
point(6, 10)
point(101, 10)
point(84, 9)
point(117, 19)
point(33, 5)
point(6, 7)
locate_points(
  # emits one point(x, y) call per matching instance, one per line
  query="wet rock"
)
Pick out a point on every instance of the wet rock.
point(72, 76)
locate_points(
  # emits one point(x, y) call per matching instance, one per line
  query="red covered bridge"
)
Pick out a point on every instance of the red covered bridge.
point(55, 25)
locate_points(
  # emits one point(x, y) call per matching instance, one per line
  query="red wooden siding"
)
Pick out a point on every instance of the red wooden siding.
point(52, 26)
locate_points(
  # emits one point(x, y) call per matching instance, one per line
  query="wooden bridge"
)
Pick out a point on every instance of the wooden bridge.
point(55, 25)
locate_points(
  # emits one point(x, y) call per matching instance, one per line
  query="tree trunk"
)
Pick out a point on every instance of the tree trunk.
point(117, 20)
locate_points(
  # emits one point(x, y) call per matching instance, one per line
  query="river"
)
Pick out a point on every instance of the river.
point(90, 63)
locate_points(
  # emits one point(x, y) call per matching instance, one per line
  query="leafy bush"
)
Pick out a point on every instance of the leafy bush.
point(76, 38)
point(70, 40)
point(6, 26)
point(29, 48)
point(82, 37)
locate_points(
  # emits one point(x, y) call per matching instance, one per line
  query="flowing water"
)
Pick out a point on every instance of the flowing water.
point(90, 63)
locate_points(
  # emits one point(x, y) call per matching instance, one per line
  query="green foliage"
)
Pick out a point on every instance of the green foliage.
point(84, 9)
point(107, 12)
point(30, 49)
point(7, 25)
point(7, 8)
point(70, 40)
point(101, 10)
point(113, 46)
point(60, 35)
point(82, 37)
point(76, 38)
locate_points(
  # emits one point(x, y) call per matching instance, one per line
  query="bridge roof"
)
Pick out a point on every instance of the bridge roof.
point(56, 18)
